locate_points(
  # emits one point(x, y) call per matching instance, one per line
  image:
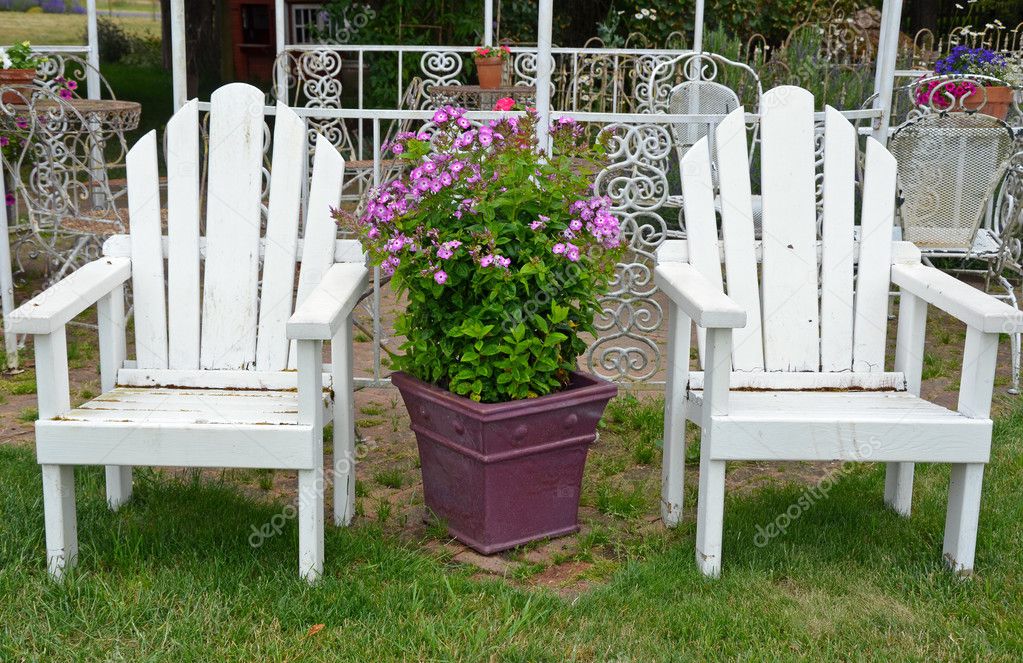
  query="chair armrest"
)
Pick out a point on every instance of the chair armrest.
point(61, 302)
point(707, 306)
point(964, 302)
point(325, 309)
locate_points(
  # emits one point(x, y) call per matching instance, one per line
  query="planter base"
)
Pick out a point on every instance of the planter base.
point(504, 474)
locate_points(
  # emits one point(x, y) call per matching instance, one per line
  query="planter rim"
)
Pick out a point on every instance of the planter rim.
point(488, 60)
point(588, 387)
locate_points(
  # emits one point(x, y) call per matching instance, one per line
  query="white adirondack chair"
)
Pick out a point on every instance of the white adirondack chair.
point(794, 353)
point(211, 384)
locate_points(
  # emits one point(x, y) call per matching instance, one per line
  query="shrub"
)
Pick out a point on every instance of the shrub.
point(501, 251)
point(114, 42)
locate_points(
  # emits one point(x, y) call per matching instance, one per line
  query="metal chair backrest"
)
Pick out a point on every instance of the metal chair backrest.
point(698, 98)
point(950, 164)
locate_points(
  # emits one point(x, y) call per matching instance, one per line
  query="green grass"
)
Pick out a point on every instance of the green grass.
point(172, 575)
point(56, 29)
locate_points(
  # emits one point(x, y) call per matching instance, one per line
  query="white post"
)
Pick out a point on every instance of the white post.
point(488, 23)
point(543, 70)
point(92, 73)
point(179, 67)
point(698, 27)
point(280, 40)
point(6, 279)
point(884, 76)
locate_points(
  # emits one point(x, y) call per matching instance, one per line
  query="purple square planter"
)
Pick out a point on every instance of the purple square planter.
point(504, 474)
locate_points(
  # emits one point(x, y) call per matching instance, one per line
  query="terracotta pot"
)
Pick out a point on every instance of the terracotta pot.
point(489, 71)
point(19, 79)
point(503, 474)
point(993, 101)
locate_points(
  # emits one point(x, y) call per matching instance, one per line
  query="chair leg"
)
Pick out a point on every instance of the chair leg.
point(118, 485)
point(310, 524)
point(1014, 342)
point(898, 487)
point(60, 518)
point(963, 516)
point(710, 512)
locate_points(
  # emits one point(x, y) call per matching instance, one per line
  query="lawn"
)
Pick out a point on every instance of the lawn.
point(62, 29)
point(173, 574)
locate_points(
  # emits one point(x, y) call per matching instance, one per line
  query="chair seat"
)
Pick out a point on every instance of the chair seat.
point(842, 425)
point(182, 427)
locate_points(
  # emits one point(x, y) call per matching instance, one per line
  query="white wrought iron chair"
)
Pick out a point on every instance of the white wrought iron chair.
point(950, 166)
point(794, 353)
point(213, 381)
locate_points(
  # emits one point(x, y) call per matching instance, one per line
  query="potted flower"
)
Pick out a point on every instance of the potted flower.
point(501, 252)
point(489, 62)
point(991, 92)
point(17, 69)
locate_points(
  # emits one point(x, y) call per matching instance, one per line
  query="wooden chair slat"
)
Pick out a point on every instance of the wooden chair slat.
point(147, 283)
point(838, 242)
point(700, 217)
point(789, 274)
point(233, 223)
point(738, 234)
point(320, 231)
point(873, 279)
point(275, 303)
point(183, 237)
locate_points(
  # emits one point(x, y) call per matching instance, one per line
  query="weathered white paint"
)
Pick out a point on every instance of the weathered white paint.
point(275, 302)
point(342, 370)
point(345, 250)
point(873, 280)
point(801, 413)
point(789, 273)
point(175, 444)
point(327, 307)
point(269, 380)
point(230, 286)
point(189, 415)
point(710, 509)
point(60, 518)
point(960, 300)
point(147, 282)
point(701, 220)
point(676, 250)
point(837, 242)
point(110, 318)
point(807, 381)
point(697, 297)
point(674, 445)
point(183, 237)
point(310, 481)
point(320, 230)
point(737, 235)
point(57, 305)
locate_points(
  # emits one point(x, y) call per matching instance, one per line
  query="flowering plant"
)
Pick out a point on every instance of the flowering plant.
point(19, 56)
point(485, 52)
point(943, 93)
point(966, 61)
point(501, 249)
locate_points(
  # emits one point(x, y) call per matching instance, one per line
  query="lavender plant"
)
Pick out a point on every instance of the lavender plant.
point(501, 250)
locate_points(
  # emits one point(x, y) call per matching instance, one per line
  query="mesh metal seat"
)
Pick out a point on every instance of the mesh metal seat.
point(949, 167)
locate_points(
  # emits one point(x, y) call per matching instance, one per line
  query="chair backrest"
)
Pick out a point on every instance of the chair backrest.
point(807, 309)
point(949, 166)
point(697, 98)
point(236, 319)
